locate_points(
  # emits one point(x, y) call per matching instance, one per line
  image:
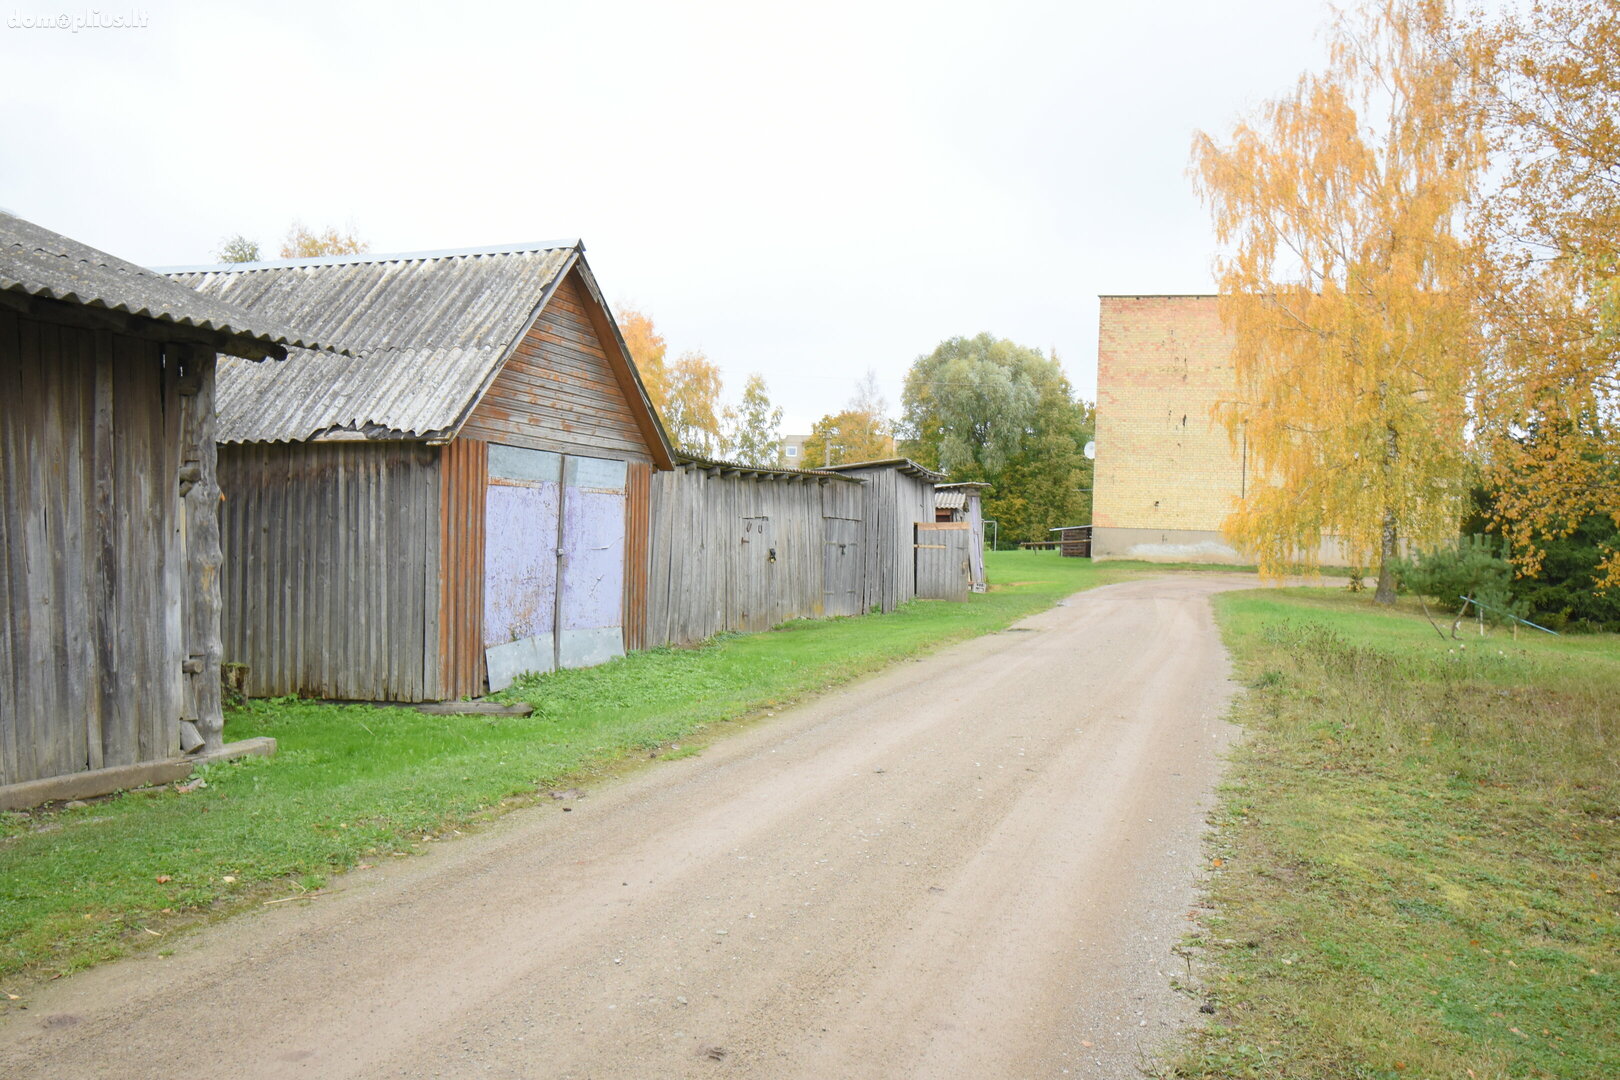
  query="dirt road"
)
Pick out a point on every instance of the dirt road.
point(974, 865)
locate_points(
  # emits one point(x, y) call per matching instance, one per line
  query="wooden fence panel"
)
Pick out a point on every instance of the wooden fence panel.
point(944, 560)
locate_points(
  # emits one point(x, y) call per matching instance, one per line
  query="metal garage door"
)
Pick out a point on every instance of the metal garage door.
point(553, 562)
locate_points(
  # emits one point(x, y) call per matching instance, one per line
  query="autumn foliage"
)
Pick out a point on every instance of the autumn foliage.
point(1550, 270)
point(647, 349)
point(861, 431)
point(692, 409)
point(685, 393)
point(1422, 277)
point(302, 242)
point(1344, 282)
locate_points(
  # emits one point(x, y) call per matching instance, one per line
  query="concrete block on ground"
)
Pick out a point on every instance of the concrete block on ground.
point(93, 782)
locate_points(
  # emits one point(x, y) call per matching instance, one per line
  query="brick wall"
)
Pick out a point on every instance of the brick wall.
point(1162, 362)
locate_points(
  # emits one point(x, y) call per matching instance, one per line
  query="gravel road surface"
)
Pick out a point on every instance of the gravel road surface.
point(973, 865)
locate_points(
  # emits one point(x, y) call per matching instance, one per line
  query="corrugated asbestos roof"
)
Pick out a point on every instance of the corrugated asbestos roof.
point(35, 261)
point(428, 332)
point(772, 471)
point(902, 465)
point(949, 500)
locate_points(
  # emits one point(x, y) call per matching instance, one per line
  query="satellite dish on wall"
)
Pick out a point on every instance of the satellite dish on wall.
point(1090, 451)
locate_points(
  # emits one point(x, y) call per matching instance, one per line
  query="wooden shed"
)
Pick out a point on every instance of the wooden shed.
point(736, 547)
point(109, 509)
point(1074, 541)
point(963, 503)
point(464, 500)
point(897, 496)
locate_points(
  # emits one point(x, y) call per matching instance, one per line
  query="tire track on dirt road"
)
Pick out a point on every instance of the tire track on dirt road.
point(972, 865)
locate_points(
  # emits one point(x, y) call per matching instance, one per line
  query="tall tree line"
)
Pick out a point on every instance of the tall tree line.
point(987, 409)
point(686, 393)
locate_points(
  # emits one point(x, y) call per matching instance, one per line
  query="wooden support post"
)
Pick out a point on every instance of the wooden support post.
point(198, 481)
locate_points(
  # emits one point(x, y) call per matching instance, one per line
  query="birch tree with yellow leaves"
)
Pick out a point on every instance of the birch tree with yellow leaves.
point(1343, 277)
point(647, 351)
point(1550, 275)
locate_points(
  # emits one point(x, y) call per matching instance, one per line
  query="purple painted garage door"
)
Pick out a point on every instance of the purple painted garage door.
point(591, 626)
point(554, 532)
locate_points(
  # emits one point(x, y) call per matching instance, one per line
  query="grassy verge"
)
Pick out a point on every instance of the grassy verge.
point(357, 783)
point(1416, 852)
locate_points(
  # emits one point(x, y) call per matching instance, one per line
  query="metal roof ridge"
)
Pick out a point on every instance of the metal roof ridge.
point(370, 257)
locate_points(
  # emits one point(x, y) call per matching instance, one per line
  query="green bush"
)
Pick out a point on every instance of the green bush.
point(1474, 567)
point(1563, 594)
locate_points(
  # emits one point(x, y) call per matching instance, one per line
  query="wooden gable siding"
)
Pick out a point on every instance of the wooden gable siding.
point(558, 391)
point(91, 568)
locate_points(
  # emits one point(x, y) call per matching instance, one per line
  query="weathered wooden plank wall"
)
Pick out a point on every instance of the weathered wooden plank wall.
point(975, 518)
point(843, 549)
point(201, 649)
point(89, 665)
point(734, 550)
point(893, 504)
point(944, 559)
point(331, 568)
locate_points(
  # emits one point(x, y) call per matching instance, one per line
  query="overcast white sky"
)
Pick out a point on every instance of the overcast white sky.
point(807, 190)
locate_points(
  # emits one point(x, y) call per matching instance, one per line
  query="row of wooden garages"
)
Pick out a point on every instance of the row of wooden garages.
point(452, 476)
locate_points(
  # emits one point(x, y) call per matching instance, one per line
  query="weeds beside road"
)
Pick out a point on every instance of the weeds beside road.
point(1415, 864)
point(353, 784)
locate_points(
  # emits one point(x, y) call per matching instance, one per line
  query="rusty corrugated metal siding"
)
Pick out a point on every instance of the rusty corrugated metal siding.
point(464, 476)
point(637, 553)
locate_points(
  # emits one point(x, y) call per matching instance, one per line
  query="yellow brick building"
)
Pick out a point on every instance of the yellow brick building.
point(1167, 474)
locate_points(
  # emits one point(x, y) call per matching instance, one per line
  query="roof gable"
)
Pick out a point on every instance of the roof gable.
point(429, 332)
point(561, 390)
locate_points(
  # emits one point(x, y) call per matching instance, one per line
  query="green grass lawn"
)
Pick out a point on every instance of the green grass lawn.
point(356, 783)
point(1417, 851)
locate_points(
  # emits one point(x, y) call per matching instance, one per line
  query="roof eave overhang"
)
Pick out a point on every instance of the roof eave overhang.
point(100, 317)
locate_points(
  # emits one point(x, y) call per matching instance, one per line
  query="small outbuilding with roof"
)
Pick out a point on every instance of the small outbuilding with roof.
point(464, 499)
point(962, 503)
point(898, 497)
point(109, 510)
